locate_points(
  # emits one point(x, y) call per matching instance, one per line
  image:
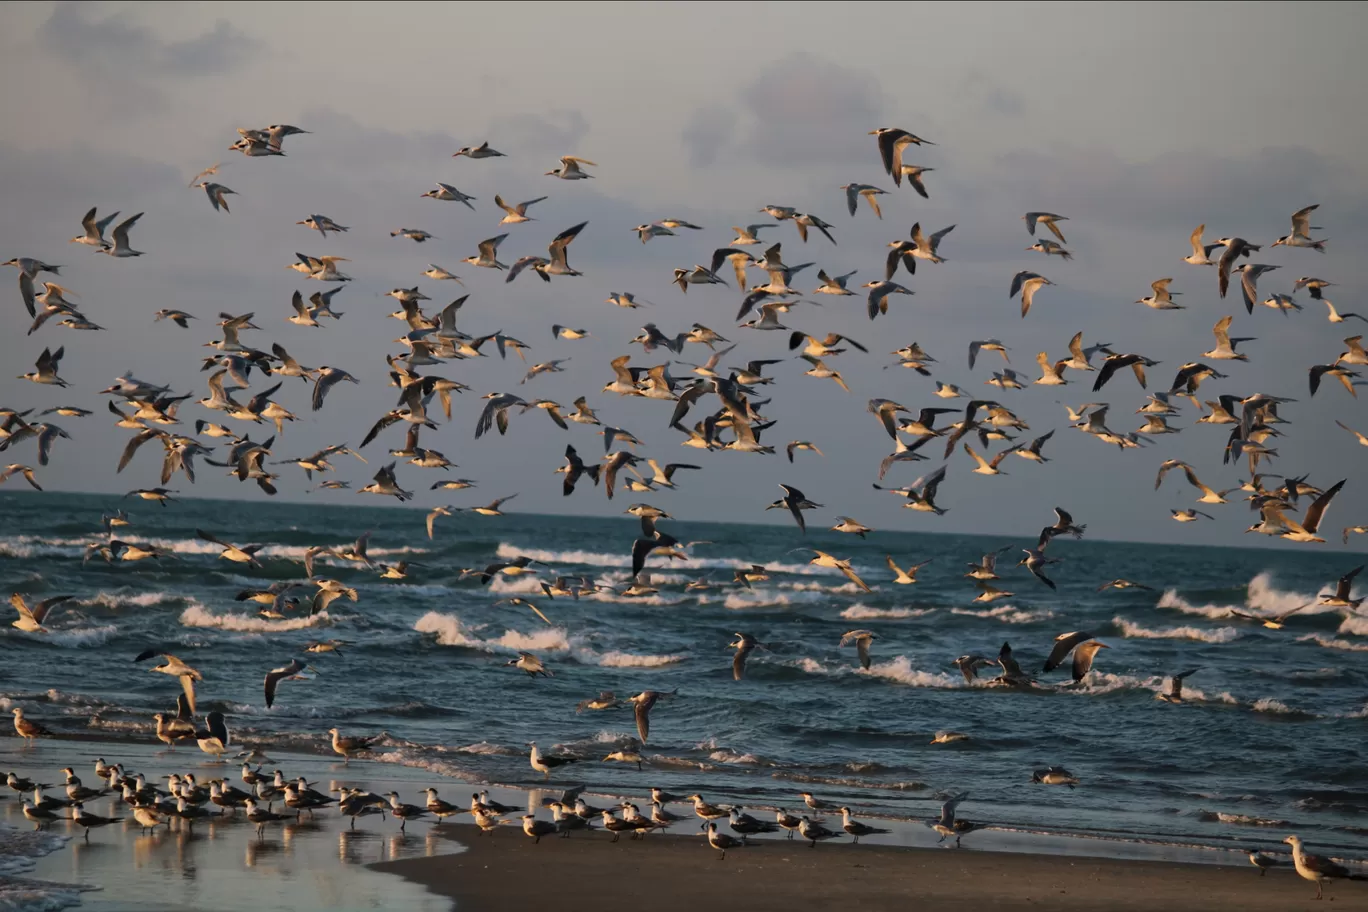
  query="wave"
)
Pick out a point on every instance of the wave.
point(616, 659)
point(1260, 595)
point(1277, 707)
point(198, 615)
point(122, 599)
point(1332, 643)
point(508, 551)
point(74, 637)
point(1008, 614)
point(859, 612)
point(900, 670)
point(732, 758)
point(1240, 819)
point(1132, 630)
point(1354, 624)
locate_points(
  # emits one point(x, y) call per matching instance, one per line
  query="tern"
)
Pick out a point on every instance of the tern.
point(1301, 231)
point(449, 193)
point(1048, 219)
point(217, 194)
point(480, 151)
point(1161, 298)
point(1027, 283)
point(570, 168)
point(870, 193)
point(892, 141)
point(862, 640)
point(745, 644)
point(795, 502)
point(121, 248)
point(1201, 253)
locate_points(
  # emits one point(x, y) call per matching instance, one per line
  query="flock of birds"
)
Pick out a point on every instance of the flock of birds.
point(733, 421)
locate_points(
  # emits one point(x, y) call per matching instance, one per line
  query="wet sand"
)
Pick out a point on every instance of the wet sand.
point(682, 874)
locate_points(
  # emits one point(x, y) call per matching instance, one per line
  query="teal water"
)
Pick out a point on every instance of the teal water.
point(1269, 740)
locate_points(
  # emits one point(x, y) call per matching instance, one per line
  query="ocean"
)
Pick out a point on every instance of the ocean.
point(1268, 741)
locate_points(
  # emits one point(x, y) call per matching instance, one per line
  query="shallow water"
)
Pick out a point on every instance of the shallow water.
point(1268, 741)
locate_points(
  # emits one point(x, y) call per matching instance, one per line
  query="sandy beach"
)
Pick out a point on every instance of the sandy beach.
point(681, 874)
point(320, 863)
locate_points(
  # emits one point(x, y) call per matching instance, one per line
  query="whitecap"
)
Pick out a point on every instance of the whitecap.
point(860, 612)
point(1008, 614)
point(199, 616)
point(900, 669)
point(1333, 643)
point(1132, 630)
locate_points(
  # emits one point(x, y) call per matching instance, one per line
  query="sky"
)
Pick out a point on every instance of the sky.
point(1137, 122)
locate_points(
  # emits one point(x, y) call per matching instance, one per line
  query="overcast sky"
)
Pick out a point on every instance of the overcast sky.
point(1136, 122)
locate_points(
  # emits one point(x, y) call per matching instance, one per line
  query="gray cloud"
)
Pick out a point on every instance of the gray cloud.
point(118, 45)
point(799, 110)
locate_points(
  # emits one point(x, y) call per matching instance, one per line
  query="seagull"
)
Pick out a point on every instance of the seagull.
point(545, 763)
point(947, 825)
point(1317, 869)
point(26, 471)
point(175, 667)
point(290, 672)
point(745, 644)
point(1175, 691)
point(31, 618)
point(570, 168)
point(27, 729)
point(1027, 283)
point(1054, 775)
point(349, 746)
point(1048, 219)
point(862, 640)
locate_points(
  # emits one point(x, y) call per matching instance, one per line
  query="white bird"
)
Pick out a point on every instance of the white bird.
point(216, 194)
point(570, 168)
point(1316, 868)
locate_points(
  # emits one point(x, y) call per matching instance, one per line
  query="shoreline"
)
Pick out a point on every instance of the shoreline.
point(679, 873)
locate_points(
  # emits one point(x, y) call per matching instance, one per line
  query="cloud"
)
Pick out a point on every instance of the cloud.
point(707, 133)
point(117, 46)
point(559, 133)
point(800, 110)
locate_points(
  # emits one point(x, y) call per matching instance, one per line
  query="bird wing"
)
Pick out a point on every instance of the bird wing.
point(1311, 520)
point(643, 719)
point(1064, 644)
